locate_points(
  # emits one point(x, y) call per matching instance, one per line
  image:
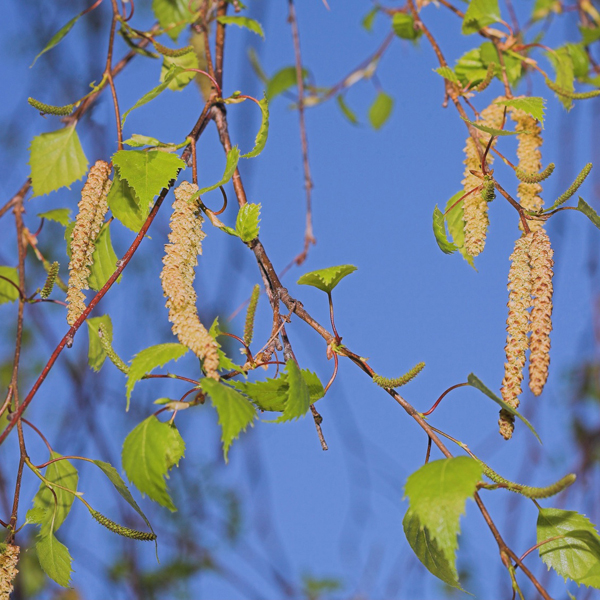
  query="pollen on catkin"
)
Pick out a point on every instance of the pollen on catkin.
point(475, 206)
point(92, 209)
point(541, 313)
point(177, 276)
point(517, 328)
point(530, 161)
point(8, 570)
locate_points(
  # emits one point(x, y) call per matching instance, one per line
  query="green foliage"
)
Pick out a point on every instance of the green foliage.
point(447, 73)
point(490, 130)
point(189, 60)
point(246, 224)
point(542, 8)
point(57, 37)
point(480, 14)
point(456, 225)
point(263, 132)
point(298, 396)
point(173, 16)
point(104, 260)
point(439, 231)
point(403, 25)
point(283, 80)
point(437, 493)
point(149, 359)
point(147, 172)
point(225, 363)
point(582, 206)
point(346, 110)
point(532, 105)
point(235, 412)
point(150, 451)
point(96, 353)
point(125, 206)
point(326, 279)
point(475, 382)
point(59, 215)
point(56, 160)
point(233, 156)
point(565, 75)
point(369, 19)
point(246, 22)
point(138, 141)
point(8, 292)
point(576, 555)
point(380, 110)
point(54, 559)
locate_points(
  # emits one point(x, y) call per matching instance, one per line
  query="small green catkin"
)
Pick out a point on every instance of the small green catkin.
point(526, 177)
point(52, 273)
point(384, 382)
point(48, 109)
point(529, 491)
point(574, 186)
point(250, 314)
point(134, 534)
point(488, 191)
point(172, 52)
point(110, 351)
point(573, 95)
point(488, 78)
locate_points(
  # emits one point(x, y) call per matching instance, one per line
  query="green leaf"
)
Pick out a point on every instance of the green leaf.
point(428, 551)
point(439, 230)
point(582, 206)
point(283, 80)
point(447, 73)
point(147, 172)
point(369, 19)
point(475, 382)
point(56, 160)
point(124, 205)
point(149, 359)
point(576, 556)
point(542, 8)
point(186, 61)
point(346, 110)
point(533, 106)
point(490, 130)
point(233, 156)
point(139, 141)
point(380, 110)
point(104, 260)
point(246, 22)
point(173, 16)
point(470, 68)
point(60, 215)
point(298, 396)
point(326, 279)
point(166, 78)
point(480, 14)
point(8, 292)
point(246, 224)
point(437, 493)
point(225, 363)
point(263, 132)
point(235, 412)
point(456, 225)
point(55, 559)
point(57, 37)
point(589, 35)
point(149, 453)
point(96, 354)
point(563, 66)
point(403, 25)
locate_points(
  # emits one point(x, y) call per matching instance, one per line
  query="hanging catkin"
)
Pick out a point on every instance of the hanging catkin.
point(541, 312)
point(475, 206)
point(181, 256)
point(8, 570)
point(517, 328)
point(92, 209)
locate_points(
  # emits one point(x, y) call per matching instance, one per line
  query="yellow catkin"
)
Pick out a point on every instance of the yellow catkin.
point(181, 256)
point(92, 209)
point(517, 328)
point(475, 207)
point(530, 161)
point(8, 570)
point(541, 312)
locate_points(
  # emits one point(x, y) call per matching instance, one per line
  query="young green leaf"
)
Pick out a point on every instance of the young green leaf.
point(563, 66)
point(581, 61)
point(124, 204)
point(172, 15)
point(149, 452)
point(403, 25)
point(56, 160)
point(235, 412)
point(104, 260)
point(475, 382)
point(139, 141)
point(447, 73)
point(369, 19)
point(437, 493)
point(542, 8)
point(532, 105)
point(8, 292)
point(57, 37)
point(298, 396)
point(270, 395)
point(380, 110)
point(456, 225)
point(246, 22)
point(439, 231)
point(574, 556)
point(326, 279)
point(470, 67)
point(147, 172)
point(60, 215)
point(96, 354)
point(263, 131)
point(225, 363)
point(54, 558)
point(233, 156)
point(490, 130)
point(346, 110)
point(480, 14)
point(246, 224)
point(588, 211)
point(186, 61)
point(149, 359)
point(283, 80)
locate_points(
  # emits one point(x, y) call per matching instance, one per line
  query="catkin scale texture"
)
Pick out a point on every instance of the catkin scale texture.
point(8, 570)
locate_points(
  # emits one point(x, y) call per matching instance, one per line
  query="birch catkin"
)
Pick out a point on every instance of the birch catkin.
point(92, 209)
point(475, 206)
point(8, 570)
point(517, 328)
point(541, 312)
point(181, 256)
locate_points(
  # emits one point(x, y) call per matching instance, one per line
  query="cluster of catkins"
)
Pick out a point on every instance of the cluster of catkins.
point(8, 569)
